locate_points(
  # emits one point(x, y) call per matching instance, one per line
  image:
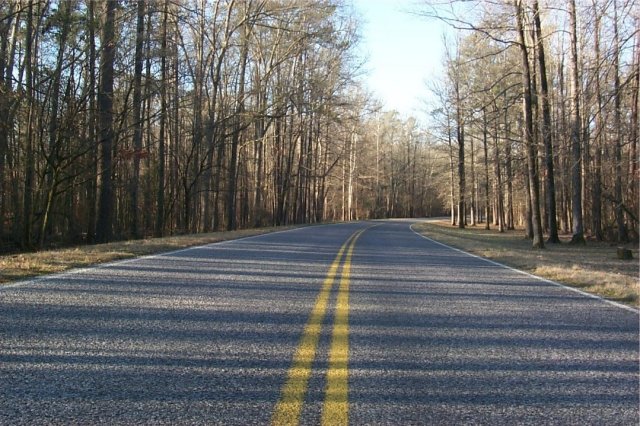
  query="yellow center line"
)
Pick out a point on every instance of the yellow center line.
point(336, 403)
point(287, 411)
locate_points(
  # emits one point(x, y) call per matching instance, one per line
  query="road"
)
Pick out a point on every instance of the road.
point(366, 322)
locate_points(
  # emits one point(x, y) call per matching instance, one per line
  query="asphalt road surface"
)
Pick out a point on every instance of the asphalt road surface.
point(363, 322)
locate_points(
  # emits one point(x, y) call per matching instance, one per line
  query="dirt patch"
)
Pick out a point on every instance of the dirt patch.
point(593, 268)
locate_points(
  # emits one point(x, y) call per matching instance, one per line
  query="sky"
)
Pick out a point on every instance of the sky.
point(403, 51)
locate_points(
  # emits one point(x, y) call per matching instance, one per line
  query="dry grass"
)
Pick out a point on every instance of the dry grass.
point(28, 265)
point(593, 268)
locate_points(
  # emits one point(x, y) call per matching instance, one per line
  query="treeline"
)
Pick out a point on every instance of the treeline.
point(538, 112)
point(126, 119)
point(394, 170)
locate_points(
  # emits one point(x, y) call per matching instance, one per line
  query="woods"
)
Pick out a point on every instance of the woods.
point(566, 160)
point(129, 119)
point(125, 119)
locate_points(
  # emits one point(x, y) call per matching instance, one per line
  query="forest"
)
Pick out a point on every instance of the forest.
point(123, 119)
point(544, 99)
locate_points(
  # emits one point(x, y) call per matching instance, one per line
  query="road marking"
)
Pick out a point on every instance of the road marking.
point(287, 411)
point(336, 403)
point(545, 280)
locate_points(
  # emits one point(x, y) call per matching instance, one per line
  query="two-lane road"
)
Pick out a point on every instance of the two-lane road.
point(366, 322)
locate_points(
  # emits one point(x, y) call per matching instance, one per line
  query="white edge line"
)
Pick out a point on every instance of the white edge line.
point(105, 265)
point(545, 280)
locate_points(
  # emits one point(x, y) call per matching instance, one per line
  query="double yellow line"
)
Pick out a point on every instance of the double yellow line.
point(335, 410)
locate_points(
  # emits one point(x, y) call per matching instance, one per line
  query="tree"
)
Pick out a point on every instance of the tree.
point(546, 129)
point(598, 135)
point(485, 149)
point(239, 111)
point(576, 141)
point(137, 119)
point(104, 229)
point(160, 186)
point(528, 132)
point(618, 194)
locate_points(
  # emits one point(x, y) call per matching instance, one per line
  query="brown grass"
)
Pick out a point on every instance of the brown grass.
point(593, 268)
point(28, 265)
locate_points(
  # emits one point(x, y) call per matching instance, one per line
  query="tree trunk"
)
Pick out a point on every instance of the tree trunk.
point(235, 137)
point(52, 151)
point(498, 176)
point(29, 180)
point(534, 184)
point(92, 183)
point(596, 201)
point(617, 124)
point(528, 222)
point(462, 216)
point(176, 151)
point(576, 142)
point(8, 33)
point(160, 213)
point(147, 113)
point(137, 122)
point(634, 134)
point(452, 173)
point(258, 196)
point(474, 186)
point(510, 219)
point(546, 131)
point(104, 231)
point(352, 178)
point(487, 203)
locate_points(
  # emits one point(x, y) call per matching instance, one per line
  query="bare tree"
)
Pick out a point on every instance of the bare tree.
point(104, 229)
point(533, 179)
point(618, 193)
point(546, 127)
point(137, 119)
point(576, 139)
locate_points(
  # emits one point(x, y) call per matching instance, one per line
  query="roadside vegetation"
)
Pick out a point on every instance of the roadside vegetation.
point(28, 265)
point(593, 267)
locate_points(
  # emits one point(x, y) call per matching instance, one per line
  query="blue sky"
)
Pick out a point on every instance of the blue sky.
point(403, 50)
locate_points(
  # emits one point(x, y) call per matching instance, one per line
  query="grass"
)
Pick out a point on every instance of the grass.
point(28, 265)
point(593, 268)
